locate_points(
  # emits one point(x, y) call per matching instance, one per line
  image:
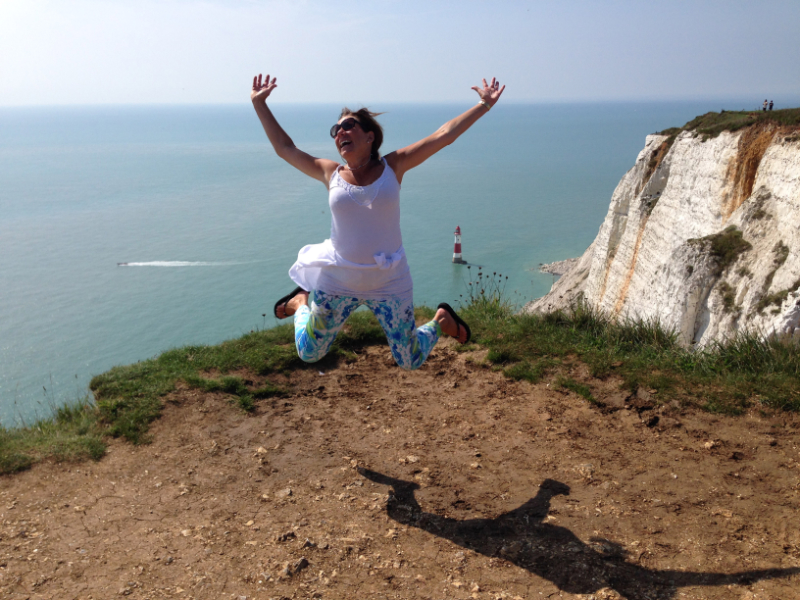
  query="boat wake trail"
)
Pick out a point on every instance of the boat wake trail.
point(184, 263)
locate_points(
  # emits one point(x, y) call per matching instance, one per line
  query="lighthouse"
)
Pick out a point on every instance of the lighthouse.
point(457, 248)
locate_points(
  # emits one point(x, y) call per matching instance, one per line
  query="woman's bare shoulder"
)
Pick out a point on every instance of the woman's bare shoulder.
point(328, 168)
point(394, 164)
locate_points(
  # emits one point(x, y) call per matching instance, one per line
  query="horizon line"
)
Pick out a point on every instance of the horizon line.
point(644, 100)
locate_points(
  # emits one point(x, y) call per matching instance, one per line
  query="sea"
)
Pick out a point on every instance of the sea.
point(129, 230)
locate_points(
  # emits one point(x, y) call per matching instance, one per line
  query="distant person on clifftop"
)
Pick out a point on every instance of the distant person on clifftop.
point(770, 104)
point(765, 106)
point(363, 262)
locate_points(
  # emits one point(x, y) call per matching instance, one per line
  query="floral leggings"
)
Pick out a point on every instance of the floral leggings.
point(316, 327)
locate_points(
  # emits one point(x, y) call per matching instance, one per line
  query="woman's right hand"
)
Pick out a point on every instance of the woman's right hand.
point(260, 91)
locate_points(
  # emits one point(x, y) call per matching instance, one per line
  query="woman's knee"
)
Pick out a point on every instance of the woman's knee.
point(311, 350)
point(407, 362)
point(309, 357)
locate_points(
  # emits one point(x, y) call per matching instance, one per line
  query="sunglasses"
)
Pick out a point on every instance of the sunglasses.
point(347, 125)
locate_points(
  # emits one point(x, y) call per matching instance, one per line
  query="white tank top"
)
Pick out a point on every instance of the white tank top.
point(365, 221)
point(364, 256)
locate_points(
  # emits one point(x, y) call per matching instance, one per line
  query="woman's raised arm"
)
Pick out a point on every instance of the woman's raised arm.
point(318, 168)
point(414, 155)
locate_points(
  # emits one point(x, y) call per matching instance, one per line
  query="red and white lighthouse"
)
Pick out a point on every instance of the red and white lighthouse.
point(457, 247)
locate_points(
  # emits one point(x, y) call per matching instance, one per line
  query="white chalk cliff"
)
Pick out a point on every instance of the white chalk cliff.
point(702, 235)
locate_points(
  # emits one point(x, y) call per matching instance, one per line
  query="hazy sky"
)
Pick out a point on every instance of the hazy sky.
point(177, 51)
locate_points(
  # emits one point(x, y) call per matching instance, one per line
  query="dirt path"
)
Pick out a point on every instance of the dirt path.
point(447, 482)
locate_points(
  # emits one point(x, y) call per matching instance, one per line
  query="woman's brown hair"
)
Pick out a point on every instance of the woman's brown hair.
point(366, 119)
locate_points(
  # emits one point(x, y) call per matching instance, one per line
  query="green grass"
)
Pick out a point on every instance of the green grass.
point(712, 124)
point(724, 247)
point(728, 297)
point(529, 371)
point(567, 383)
point(129, 398)
point(237, 387)
point(725, 377)
point(74, 433)
point(781, 252)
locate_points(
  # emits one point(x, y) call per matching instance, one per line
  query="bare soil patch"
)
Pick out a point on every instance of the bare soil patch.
point(446, 482)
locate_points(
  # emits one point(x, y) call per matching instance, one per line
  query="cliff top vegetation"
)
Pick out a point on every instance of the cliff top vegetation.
point(579, 351)
point(712, 124)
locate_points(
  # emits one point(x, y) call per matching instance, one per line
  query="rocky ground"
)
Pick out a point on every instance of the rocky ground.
point(448, 482)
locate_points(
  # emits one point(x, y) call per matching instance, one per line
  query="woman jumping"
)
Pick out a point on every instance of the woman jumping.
point(363, 262)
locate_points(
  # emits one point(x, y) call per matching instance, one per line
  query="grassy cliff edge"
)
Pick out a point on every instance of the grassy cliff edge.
point(639, 357)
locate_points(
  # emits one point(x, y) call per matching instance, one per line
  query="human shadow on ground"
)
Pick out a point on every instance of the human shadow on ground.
point(552, 552)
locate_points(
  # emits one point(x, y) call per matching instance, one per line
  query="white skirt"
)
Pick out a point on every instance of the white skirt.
point(319, 267)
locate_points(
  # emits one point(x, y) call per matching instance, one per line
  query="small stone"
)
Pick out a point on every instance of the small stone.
point(261, 450)
point(585, 470)
point(186, 532)
point(475, 588)
point(608, 594)
point(511, 550)
point(475, 465)
point(283, 537)
point(710, 444)
point(249, 523)
point(169, 560)
point(669, 423)
point(284, 493)
point(412, 458)
point(297, 566)
point(308, 544)
point(616, 400)
point(457, 584)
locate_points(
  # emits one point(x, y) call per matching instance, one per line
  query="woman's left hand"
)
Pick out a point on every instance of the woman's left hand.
point(490, 93)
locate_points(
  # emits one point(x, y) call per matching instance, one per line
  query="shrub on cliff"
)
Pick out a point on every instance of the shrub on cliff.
point(724, 247)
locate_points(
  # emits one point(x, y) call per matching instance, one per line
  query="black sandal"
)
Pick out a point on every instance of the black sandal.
point(457, 319)
point(285, 300)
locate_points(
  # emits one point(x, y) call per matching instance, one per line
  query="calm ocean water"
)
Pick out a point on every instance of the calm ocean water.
point(213, 220)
